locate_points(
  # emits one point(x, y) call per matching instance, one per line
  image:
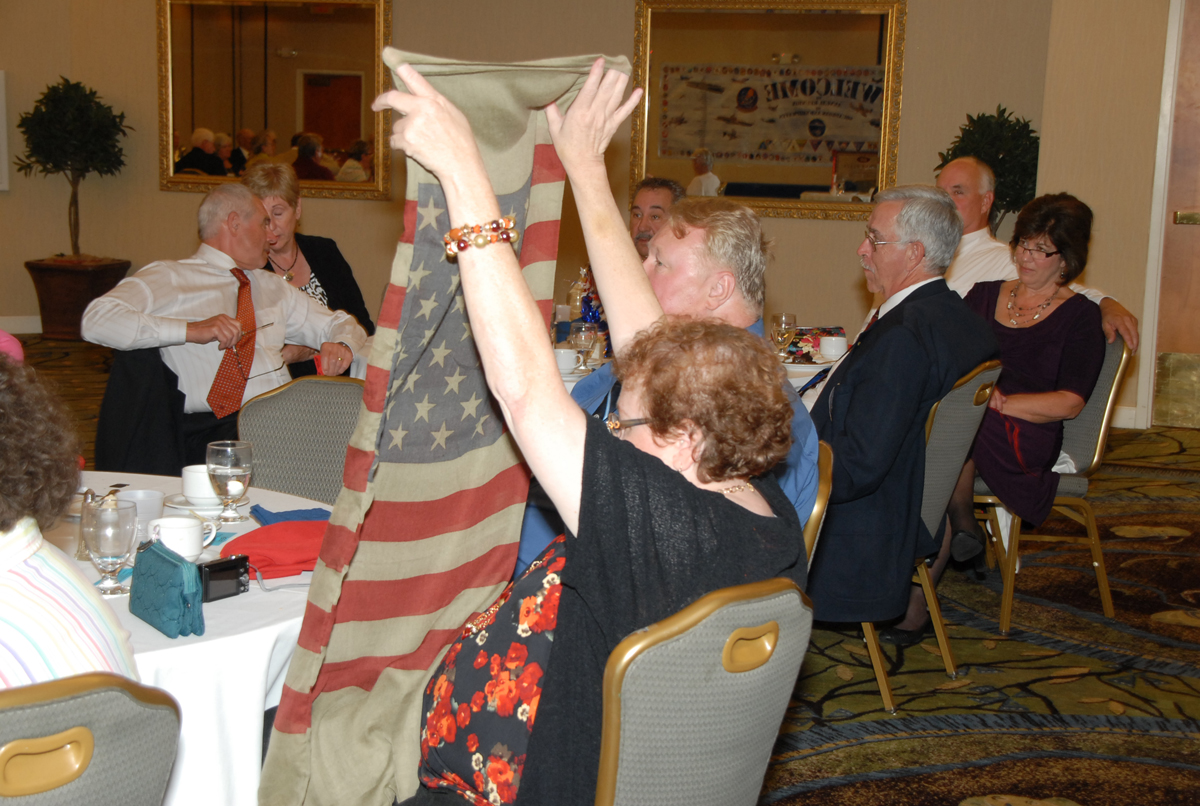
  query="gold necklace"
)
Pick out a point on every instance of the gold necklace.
point(737, 488)
point(287, 273)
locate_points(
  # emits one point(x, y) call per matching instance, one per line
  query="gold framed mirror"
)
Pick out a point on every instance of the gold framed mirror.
point(797, 101)
point(282, 67)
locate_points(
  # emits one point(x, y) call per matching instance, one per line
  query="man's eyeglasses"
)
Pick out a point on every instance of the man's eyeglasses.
point(1042, 253)
point(616, 425)
point(876, 244)
point(244, 369)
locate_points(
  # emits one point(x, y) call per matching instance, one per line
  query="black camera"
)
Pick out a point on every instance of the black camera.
point(228, 576)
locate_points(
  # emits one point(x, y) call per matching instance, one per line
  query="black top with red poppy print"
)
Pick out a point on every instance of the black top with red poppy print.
point(649, 544)
point(481, 704)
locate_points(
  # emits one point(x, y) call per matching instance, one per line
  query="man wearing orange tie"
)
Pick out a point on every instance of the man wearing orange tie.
point(220, 323)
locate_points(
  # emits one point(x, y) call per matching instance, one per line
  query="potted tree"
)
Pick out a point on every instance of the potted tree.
point(1009, 146)
point(71, 132)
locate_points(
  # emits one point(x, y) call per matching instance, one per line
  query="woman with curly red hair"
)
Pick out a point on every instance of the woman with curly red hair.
point(666, 501)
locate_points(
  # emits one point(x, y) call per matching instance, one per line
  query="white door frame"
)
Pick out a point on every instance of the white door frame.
point(1159, 221)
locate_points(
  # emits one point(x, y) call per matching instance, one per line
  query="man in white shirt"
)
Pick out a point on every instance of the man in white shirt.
point(188, 308)
point(706, 182)
point(981, 258)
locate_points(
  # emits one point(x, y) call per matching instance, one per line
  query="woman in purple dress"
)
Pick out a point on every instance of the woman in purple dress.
point(1051, 346)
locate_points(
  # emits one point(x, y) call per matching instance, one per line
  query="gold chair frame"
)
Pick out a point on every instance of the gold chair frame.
point(1077, 509)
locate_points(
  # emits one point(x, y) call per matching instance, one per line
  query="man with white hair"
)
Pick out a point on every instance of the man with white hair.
point(203, 156)
point(220, 323)
point(705, 183)
point(873, 408)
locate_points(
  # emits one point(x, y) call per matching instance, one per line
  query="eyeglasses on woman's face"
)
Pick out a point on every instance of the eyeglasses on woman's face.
point(616, 426)
point(1038, 251)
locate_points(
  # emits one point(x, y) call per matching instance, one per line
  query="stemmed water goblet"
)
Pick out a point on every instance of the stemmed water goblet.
point(230, 465)
point(783, 330)
point(583, 338)
point(107, 527)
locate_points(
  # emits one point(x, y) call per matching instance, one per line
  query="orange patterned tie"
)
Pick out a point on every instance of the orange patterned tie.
point(229, 385)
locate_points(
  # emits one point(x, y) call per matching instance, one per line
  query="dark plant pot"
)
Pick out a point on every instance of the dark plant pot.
point(66, 284)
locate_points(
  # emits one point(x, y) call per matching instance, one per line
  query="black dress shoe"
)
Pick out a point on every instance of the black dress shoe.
point(899, 637)
point(966, 545)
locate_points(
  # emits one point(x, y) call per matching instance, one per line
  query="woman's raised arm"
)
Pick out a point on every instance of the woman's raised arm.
point(514, 345)
point(581, 137)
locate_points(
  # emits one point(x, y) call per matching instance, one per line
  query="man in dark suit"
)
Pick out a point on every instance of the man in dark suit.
point(873, 409)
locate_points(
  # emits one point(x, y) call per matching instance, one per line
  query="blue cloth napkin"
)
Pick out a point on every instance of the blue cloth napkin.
point(266, 517)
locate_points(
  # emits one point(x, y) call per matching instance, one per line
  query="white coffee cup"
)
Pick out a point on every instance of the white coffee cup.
point(567, 360)
point(833, 347)
point(183, 535)
point(149, 505)
point(197, 488)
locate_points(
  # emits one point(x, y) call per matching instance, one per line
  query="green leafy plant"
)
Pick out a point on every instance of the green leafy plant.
point(1010, 148)
point(69, 131)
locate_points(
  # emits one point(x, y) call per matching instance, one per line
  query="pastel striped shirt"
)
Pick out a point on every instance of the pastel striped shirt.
point(53, 622)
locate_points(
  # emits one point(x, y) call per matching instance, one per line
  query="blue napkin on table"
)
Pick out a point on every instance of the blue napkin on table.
point(267, 517)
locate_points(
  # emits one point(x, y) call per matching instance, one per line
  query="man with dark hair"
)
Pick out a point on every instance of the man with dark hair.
point(652, 200)
point(873, 408)
point(308, 161)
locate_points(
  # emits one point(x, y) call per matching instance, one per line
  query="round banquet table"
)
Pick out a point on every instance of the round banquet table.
point(223, 680)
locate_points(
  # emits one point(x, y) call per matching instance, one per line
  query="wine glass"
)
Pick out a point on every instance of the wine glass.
point(107, 527)
point(583, 338)
point(230, 465)
point(783, 330)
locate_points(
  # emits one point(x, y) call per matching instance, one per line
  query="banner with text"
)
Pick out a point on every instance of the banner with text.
point(790, 115)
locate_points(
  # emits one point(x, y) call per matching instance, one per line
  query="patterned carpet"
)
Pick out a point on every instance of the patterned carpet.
point(1070, 708)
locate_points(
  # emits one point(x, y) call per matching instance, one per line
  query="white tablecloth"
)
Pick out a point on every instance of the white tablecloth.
point(224, 679)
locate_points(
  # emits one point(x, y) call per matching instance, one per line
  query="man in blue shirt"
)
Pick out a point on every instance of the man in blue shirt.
point(707, 261)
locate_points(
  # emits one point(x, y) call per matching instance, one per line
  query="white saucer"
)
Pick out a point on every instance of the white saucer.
point(574, 374)
point(178, 501)
point(209, 554)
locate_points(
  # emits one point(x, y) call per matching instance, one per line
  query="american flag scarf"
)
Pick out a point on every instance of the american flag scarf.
point(424, 533)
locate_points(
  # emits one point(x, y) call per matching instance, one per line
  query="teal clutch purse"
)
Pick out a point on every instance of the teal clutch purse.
point(165, 591)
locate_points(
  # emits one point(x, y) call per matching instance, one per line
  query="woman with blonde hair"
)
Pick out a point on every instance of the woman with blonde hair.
point(314, 265)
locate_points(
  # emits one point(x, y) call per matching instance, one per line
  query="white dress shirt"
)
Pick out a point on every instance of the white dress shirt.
point(704, 185)
point(153, 307)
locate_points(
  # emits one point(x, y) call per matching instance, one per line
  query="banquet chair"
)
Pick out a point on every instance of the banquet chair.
point(300, 432)
point(1083, 440)
point(87, 739)
point(693, 704)
point(949, 431)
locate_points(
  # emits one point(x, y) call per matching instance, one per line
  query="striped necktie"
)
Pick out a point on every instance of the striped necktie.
point(229, 385)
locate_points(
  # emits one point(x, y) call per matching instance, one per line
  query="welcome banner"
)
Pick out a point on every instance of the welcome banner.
point(790, 115)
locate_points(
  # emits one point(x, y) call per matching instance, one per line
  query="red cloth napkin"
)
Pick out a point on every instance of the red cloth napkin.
point(281, 549)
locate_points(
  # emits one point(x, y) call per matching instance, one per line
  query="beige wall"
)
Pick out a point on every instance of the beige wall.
point(1103, 89)
point(1097, 64)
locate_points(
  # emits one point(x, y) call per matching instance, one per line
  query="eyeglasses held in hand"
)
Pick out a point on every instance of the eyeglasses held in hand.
point(245, 370)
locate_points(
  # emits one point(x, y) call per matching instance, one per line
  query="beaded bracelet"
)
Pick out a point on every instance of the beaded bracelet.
point(480, 235)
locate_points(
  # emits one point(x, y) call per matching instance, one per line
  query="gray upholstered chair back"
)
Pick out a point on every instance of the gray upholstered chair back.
point(1084, 437)
point(92, 738)
point(300, 432)
point(693, 704)
point(949, 432)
